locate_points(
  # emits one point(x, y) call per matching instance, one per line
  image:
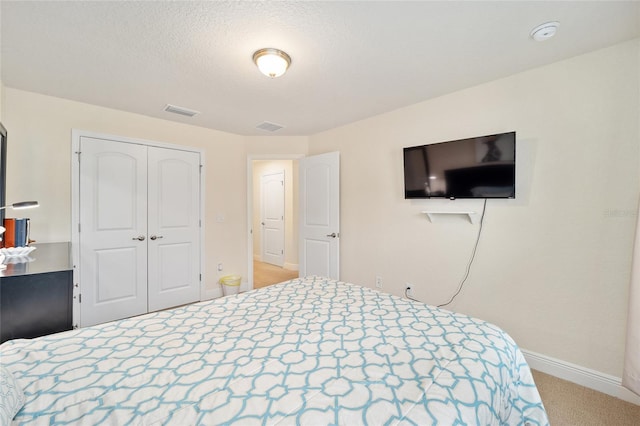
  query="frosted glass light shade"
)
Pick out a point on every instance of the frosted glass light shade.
point(272, 62)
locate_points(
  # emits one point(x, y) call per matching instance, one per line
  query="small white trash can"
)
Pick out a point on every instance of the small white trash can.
point(230, 284)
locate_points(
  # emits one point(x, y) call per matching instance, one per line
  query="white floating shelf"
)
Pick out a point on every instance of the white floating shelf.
point(473, 216)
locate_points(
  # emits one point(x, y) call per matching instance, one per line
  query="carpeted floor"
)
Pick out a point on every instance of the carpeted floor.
point(570, 404)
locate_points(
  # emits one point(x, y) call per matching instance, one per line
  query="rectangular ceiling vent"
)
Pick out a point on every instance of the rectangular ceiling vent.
point(269, 127)
point(180, 110)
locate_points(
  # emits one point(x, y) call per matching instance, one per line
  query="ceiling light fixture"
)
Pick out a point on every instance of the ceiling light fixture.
point(544, 31)
point(272, 62)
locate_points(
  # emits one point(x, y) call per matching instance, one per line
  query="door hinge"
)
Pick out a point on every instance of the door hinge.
point(200, 277)
point(78, 153)
point(78, 227)
point(80, 298)
point(281, 251)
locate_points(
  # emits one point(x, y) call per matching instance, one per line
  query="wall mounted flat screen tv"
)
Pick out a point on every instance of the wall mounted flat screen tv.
point(480, 167)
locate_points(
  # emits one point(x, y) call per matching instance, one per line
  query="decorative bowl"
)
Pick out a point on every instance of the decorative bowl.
point(17, 251)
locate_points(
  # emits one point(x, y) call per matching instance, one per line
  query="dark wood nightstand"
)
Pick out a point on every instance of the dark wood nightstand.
point(36, 297)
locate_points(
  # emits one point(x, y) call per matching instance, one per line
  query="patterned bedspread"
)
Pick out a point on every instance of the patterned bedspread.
point(309, 352)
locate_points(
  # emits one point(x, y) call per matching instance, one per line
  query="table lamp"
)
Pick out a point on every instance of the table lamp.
point(21, 205)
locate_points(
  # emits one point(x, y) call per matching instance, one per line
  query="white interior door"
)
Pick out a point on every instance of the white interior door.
point(272, 218)
point(174, 227)
point(320, 215)
point(113, 229)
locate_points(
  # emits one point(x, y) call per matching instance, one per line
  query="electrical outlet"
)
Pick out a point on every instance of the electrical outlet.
point(378, 281)
point(409, 290)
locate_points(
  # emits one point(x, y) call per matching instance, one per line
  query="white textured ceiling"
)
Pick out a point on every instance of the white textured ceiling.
point(351, 60)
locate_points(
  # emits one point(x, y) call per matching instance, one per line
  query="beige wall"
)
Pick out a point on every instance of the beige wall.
point(289, 167)
point(552, 266)
point(276, 146)
point(39, 168)
point(1, 99)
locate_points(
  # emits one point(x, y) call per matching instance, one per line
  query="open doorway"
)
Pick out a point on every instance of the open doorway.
point(273, 220)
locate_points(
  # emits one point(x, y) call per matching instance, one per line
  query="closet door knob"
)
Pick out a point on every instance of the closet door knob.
point(139, 238)
point(154, 237)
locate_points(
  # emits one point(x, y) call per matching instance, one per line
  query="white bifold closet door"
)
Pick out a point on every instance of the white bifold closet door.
point(174, 230)
point(139, 229)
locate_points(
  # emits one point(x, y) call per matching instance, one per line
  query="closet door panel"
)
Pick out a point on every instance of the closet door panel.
point(113, 226)
point(174, 227)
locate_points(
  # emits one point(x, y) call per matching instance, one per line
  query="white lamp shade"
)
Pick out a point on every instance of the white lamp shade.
point(272, 62)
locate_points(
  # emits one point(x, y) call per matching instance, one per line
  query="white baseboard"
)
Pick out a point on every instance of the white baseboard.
point(291, 266)
point(287, 265)
point(211, 293)
point(216, 292)
point(583, 376)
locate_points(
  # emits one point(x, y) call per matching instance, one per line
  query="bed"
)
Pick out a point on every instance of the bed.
point(309, 351)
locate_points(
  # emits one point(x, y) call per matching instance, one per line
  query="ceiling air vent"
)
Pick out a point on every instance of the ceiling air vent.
point(180, 110)
point(269, 127)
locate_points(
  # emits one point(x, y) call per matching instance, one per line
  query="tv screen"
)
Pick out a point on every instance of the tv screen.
point(480, 167)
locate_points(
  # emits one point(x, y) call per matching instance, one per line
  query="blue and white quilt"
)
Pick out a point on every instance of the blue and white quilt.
point(306, 352)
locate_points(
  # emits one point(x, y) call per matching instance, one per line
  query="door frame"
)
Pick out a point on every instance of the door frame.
point(250, 159)
point(76, 134)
